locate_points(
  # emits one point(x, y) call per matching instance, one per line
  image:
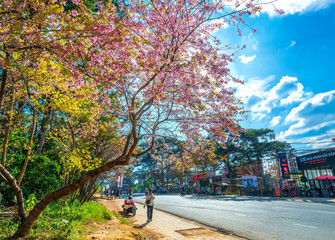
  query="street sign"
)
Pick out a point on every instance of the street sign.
point(284, 166)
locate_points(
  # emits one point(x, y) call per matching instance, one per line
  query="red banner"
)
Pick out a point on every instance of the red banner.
point(277, 189)
point(200, 176)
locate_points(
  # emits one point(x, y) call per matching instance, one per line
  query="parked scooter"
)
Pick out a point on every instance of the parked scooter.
point(309, 193)
point(129, 206)
point(331, 193)
point(319, 192)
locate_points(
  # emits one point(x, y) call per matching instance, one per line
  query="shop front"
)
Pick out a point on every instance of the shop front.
point(318, 164)
point(232, 186)
point(218, 186)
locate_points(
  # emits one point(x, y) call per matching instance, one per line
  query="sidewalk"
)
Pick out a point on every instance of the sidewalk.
point(261, 198)
point(164, 226)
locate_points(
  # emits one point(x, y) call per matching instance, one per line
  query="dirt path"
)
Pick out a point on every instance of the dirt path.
point(164, 226)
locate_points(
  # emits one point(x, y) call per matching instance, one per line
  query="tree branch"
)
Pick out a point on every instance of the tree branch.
point(29, 148)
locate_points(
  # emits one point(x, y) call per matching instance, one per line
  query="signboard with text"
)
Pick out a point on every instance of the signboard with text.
point(249, 181)
point(200, 176)
point(318, 159)
point(284, 166)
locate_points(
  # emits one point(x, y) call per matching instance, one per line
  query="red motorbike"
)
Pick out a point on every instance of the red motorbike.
point(129, 207)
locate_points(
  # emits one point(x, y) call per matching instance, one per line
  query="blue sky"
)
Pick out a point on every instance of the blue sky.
point(288, 67)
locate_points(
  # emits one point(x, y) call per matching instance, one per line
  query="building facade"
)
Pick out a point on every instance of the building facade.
point(318, 164)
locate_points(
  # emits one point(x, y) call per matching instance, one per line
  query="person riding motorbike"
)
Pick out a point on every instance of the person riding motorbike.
point(129, 206)
point(331, 192)
point(182, 192)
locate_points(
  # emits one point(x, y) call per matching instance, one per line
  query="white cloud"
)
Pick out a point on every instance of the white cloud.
point(300, 116)
point(258, 116)
point(244, 59)
point(216, 25)
point(315, 101)
point(254, 87)
point(309, 116)
point(298, 95)
point(317, 141)
point(262, 98)
point(292, 44)
point(331, 133)
point(302, 128)
point(296, 6)
point(275, 121)
point(254, 47)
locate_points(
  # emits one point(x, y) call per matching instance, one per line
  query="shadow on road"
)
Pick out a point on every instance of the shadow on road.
point(141, 226)
point(125, 215)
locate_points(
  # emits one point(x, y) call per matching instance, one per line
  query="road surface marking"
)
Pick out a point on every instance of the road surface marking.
point(281, 208)
point(301, 225)
point(239, 214)
point(326, 212)
point(261, 211)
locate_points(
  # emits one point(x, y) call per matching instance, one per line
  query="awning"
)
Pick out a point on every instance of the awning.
point(220, 183)
point(324, 177)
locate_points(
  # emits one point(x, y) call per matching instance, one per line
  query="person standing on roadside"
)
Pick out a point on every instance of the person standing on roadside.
point(149, 202)
point(112, 194)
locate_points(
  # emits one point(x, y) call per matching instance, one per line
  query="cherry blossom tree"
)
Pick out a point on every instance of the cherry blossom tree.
point(115, 75)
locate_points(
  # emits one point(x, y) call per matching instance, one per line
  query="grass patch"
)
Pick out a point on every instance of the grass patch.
point(121, 219)
point(51, 225)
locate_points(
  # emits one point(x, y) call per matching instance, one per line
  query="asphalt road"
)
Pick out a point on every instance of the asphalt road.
point(255, 218)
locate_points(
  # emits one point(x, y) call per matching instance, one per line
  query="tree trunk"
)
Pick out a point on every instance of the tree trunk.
point(29, 221)
point(43, 131)
point(3, 86)
point(16, 189)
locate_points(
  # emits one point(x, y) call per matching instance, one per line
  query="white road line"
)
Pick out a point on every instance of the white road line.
point(301, 225)
point(261, 211)
point(326, 212)
point(239, 214)
point(282, 208)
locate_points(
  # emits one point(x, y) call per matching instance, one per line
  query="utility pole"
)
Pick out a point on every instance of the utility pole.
point(185, 177)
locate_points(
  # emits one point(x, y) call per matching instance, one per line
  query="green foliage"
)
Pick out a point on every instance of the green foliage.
point(30, 202)
point(43, 173)
point(121, 219)
point(7, 228)
point(139, 188)
point(50, 226)
point(75, 211)
point(303, 179)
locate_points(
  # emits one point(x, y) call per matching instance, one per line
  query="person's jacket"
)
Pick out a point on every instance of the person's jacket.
point(151, 198)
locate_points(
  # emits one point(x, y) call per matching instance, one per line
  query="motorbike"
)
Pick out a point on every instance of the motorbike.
point(319, 193)
point(129, 207)
point(331, 193)
point(309, 193)
point(182, 193)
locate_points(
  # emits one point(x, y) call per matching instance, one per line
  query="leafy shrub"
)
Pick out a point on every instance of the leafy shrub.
point(52, 225)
